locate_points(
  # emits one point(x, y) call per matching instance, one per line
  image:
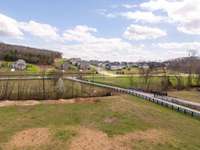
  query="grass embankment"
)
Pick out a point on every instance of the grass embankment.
point(155, 82)
point(192, 95)
point(121, 122)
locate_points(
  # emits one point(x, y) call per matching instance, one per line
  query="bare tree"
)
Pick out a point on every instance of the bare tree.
point(192, 53)
point(190, 66)
point(165, 79)
point(197, 73)
point(131, 80)
point(145, 71)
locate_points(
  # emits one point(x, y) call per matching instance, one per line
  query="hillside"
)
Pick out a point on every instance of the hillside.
point(31, 55)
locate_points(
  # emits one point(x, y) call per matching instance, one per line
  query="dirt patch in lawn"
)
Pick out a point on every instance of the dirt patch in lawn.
point(60, 101)
point(96, 140)
point(28, 138)
point(152, 136)
point(90, 140)
point(111, 120)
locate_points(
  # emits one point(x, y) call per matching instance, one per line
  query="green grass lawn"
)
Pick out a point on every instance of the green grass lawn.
point(33, 68)
point(146, 125)
point(125, 82)
point(128, 82)
point(155, 82)
point(191, 95)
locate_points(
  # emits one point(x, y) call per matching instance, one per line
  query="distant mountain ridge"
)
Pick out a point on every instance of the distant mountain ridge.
point(10, 52)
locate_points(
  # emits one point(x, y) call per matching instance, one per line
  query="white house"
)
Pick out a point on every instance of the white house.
point(75, 61)
point(19, 65)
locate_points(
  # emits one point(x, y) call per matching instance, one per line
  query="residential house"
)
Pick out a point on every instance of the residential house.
point(19, 65)
point(65, 66)
point(114, 66)
point(94, 62)
point(83, 65)
point(125, 64)
point(132, 64)
point(145, 66)
point(75, 61)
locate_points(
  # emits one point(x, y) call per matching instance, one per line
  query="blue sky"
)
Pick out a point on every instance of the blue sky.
point(121, 30)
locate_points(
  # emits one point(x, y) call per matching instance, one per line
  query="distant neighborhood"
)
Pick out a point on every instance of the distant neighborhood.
point(19, 58)
point(85, 65)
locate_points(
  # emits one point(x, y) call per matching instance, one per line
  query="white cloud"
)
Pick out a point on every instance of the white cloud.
point(41, 30)
point(137, 32)
point(182, 46)
point(79, 33)
point(143, 16)
point(90, 46)
point(16, 29)
point(107, 49)
point(129, 6)
point(176, 49)
point(183, 12)
point(190, 27)
point(105, 13)
point(9, 27)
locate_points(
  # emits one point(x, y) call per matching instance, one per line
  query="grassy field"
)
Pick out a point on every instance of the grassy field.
point(155, 82)
point(191, 95)
point(120, 122)
point(127, 82)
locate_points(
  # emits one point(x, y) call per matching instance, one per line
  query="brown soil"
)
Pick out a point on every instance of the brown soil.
point(91, 140)
point(60, 101)
point(87, 139)
point(96, 140)
point(28, 138)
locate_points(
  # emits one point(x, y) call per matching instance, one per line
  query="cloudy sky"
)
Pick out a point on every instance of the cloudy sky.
point(131, 30)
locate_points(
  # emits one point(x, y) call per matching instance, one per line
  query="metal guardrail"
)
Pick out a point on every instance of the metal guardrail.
point(146, 96)
point(185, 103)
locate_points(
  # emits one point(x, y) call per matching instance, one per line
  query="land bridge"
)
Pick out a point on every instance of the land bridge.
point(147, 96)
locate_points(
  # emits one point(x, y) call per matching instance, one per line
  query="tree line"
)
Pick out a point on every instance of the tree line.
point(31, 55)
point(181, 73)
